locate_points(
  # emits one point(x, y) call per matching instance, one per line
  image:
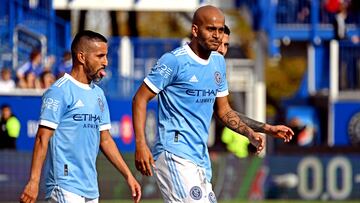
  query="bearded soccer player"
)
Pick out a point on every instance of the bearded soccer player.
point(74, 124)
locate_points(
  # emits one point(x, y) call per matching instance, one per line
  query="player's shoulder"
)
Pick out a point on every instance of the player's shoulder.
point(216, 54)
point(170, 58)
point(178, 52)
point(61, 83)
point(59, 86)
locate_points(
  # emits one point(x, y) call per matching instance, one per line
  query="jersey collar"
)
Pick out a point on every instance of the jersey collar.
point(81, 85)
point(194, 56)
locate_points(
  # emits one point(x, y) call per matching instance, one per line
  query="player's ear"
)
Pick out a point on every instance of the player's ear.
point(194, 30)
point(80, 57)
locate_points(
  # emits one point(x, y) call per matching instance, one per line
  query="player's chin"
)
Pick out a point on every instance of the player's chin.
point(213, 47)
point(97, 79)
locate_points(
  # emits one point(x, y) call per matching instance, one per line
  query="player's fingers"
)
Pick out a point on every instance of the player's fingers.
point(137, 194)
point(138, 166)
point(148, 168)
point(262, 143)
point(291, 132)
point(141, 166)
point(152, 162)
point(134, 193)
point(24, 198)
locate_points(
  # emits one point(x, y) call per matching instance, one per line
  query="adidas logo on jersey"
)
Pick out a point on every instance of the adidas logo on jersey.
point(193, 79)
point(79, 103)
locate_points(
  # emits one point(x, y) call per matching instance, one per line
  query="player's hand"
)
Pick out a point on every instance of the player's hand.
point(282, 132)
point(30, 192)
point(258, 141)
point(135, 188)
point(144, 160)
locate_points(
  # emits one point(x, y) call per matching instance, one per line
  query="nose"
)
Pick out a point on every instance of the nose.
point(216, 34)
point(105, 61)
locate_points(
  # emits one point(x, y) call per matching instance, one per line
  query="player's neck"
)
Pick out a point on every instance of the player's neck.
point(199, 51)
point(79, 76)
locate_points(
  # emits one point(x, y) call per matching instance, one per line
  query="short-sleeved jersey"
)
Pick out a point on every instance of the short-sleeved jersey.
point(187, 87)
point(77, 112)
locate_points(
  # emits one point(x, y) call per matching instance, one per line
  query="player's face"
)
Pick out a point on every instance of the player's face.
point(211, 32)
point(96, 61)
point(223, 48)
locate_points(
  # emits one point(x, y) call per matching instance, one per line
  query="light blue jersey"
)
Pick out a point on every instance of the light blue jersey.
point(77, 112)
point(187, 87)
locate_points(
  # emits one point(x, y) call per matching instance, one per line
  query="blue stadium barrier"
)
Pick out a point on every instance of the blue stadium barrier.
point(349, 70)
point(40, 19)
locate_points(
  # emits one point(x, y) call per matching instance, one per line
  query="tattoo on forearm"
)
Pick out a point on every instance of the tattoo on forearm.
point(253, 124)
point(234, 122)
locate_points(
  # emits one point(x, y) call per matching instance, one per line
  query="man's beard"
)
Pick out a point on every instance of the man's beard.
point(98, 75)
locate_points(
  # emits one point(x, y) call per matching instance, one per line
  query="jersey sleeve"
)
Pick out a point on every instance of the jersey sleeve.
point(105, 122)
point(52, 108)
point(223, 87)
point(163, 73)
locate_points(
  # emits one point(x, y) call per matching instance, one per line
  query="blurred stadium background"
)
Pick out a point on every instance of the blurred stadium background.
point(287, 64)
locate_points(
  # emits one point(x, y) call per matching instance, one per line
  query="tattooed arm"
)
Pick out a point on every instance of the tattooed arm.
point(232, 120)
point(224, 112)
point(277, 131)
point(257, 126)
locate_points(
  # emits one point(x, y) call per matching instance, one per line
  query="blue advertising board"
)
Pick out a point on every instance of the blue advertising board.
point(346, 122)
point(27, 110)
point(325, 177)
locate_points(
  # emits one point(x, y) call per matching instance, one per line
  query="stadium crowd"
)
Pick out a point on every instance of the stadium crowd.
point(34, 74)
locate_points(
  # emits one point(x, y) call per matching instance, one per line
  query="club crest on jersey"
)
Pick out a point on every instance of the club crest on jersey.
point(101, 104)
point(196, 193)
point(212, 197)
point(217, 77)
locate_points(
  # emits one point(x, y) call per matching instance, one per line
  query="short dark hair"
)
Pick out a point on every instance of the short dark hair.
point(226, 30)
point(3, 106)
point(88, 35)
point(34, 53)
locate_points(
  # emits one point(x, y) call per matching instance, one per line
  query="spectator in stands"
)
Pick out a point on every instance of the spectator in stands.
point(339, 22)
point(47, 78)
point(28, 72)
point(65, 65)
point(9, 128)
point(6, 82)
point(337, 12)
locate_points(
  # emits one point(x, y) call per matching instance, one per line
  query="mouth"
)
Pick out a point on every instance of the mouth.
point(215, 43)
point(99, 74)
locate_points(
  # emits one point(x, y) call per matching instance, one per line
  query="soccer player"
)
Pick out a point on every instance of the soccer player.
point(190, 83)
point(224, 46)
point(74, 124)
